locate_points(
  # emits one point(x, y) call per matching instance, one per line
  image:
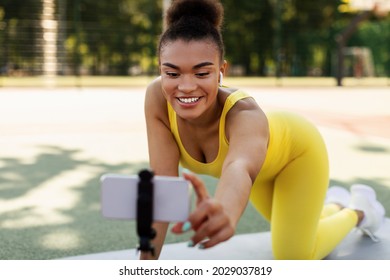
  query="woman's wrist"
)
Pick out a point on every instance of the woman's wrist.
point(147, 256)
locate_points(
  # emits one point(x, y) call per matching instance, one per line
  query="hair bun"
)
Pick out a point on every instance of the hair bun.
point(206, 10)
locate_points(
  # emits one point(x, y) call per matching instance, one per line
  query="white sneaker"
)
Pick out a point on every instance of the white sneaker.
point(364, 198)
point(338, 195)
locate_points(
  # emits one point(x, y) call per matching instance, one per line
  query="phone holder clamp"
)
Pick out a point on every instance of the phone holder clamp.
point(145, 211)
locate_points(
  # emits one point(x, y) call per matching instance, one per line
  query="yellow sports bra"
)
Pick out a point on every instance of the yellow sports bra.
point(213, 168)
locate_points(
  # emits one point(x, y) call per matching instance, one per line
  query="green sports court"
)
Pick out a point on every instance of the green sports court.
point(56, 143)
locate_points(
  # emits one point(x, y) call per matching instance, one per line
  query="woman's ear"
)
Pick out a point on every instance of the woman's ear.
point(222, 71)
point(223, 68)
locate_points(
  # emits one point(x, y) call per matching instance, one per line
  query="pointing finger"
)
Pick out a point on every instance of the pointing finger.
point(199, 187)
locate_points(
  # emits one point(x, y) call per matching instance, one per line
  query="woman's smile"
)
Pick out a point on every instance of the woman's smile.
point(188, 101)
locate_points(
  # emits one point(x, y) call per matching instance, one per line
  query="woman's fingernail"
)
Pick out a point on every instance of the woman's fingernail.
point(201, 246)
point(185, 170)
point(190, 244)
point(186, 227)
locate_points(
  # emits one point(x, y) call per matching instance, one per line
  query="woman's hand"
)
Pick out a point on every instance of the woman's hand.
point(209, 220)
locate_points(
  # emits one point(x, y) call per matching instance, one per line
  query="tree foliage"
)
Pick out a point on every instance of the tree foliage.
point(113, 36)
point(19, 33)
point(119, 37)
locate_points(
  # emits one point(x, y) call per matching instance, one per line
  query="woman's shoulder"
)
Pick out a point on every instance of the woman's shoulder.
point(244, 110)
point(155, 102)
point(243, 104)
point(154, 94)
point(154, 87)
point(241, 99)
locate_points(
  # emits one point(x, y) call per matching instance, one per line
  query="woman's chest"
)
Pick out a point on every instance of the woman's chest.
point(201, 144)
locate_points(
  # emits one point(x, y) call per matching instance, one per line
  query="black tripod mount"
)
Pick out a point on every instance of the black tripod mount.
point(145, 211)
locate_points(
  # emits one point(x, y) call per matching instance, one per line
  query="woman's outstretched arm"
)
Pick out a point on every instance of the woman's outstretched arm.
point(215, 218)
point(163, 151)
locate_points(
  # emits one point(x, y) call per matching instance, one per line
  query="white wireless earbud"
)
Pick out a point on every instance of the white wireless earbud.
point(220, 78)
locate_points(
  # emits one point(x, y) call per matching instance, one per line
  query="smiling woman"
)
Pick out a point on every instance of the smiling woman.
point(189, 77)
point(277, 161)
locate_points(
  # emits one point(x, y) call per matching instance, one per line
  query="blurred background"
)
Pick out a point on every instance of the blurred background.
point(72, 82)
point(264, 38)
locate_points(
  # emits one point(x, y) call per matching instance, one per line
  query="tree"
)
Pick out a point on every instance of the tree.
point(19, 33)
point(248, 33)
point(113, 36)
point(252, 35)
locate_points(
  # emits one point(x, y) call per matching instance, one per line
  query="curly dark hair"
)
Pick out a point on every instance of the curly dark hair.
point(194, 20)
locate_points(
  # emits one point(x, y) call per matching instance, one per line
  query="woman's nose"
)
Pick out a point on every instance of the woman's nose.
point(187, 84)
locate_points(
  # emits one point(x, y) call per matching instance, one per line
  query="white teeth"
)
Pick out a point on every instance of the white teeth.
point(188, 100)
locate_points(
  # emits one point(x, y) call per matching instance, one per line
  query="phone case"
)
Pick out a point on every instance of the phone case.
point(172, 197)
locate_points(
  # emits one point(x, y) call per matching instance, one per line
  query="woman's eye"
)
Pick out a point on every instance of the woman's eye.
point(203, 74)
point(172, 74)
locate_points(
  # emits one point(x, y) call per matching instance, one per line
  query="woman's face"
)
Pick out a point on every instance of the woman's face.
point(190, 77)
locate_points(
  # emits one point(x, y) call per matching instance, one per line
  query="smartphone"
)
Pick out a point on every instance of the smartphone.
point(172, 197)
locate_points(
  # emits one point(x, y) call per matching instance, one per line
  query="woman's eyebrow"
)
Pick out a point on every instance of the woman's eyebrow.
point(203, 64)
point(197, 66)
point(170, 65)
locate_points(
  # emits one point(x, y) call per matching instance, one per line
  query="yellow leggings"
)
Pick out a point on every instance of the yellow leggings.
point(290, 192)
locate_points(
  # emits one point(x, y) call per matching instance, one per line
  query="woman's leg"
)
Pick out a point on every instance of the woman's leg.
point(261, 198)
point(330, 209)
point(298, 232)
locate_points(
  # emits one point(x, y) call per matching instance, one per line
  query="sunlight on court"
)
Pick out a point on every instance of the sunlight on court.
point(64, 240)
point(46, 203)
